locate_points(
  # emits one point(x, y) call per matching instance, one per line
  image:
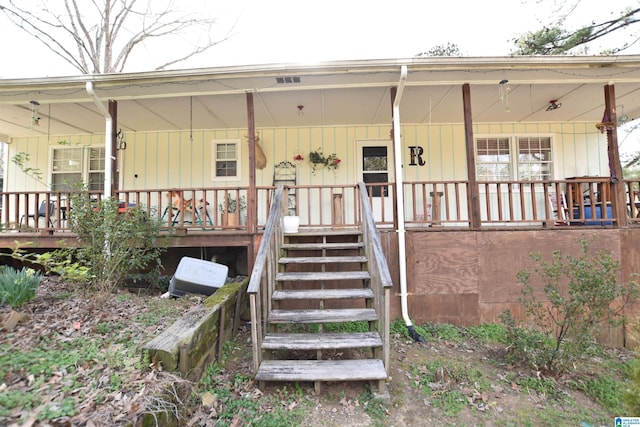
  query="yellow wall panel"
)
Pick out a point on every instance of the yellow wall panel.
point(184, 159)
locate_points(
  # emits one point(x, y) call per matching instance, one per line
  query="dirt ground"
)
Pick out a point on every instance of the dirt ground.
point(494, 398)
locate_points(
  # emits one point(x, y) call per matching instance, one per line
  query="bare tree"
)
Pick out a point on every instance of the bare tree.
point(99, 36)
point(555, 39)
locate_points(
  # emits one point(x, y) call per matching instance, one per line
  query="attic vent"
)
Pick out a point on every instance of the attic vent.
point(283, 80)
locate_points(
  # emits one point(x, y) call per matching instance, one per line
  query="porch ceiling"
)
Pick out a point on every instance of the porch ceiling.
point(340, 93)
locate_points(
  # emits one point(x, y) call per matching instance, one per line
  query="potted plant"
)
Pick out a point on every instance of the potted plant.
point(230, 209)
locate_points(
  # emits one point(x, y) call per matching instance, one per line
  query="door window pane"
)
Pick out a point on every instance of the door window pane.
point(374, 169)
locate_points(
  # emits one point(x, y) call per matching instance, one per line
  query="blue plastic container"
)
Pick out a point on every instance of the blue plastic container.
point(588, 215)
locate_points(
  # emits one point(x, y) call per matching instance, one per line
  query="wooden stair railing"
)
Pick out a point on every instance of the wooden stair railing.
point(321, 277)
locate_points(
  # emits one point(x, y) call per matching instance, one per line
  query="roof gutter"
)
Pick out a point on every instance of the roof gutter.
point(108, 173)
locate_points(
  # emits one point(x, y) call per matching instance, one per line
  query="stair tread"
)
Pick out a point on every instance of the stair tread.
point(325, 232)
point(308, 294)
point(322, 259)
point(321, 370)
point(323, 341)
point(311, 246)
point(323, 275)
point(322, 315)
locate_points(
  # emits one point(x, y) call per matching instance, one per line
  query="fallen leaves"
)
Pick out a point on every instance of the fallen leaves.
point(108, 389)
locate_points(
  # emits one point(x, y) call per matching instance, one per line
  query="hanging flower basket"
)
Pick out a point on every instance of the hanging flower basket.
point(319, 160)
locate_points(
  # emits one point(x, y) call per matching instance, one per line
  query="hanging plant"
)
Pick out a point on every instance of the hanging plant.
point(319, 160)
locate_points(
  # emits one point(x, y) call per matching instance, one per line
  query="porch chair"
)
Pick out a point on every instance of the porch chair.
point(42, 213)
point(560, 213)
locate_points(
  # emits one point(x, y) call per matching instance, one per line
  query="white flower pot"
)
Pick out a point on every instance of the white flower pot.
point(290, 224)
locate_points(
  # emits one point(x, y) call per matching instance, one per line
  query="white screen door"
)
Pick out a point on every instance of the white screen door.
point(375, 165)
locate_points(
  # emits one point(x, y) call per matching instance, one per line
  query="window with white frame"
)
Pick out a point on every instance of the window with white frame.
point(73, 165)
point(523, 158)
point(226, 159)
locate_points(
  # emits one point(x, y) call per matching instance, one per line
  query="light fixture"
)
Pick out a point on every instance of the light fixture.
point(503, 92)
point(623, 117)
point(553, 105)
point(300, 110)
point(35, 115)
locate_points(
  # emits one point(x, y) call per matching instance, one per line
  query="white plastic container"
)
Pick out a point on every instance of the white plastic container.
point(290, 224)
point(197, 276)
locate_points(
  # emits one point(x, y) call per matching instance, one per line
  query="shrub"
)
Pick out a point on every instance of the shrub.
point(18, 286)
point(113, 244)
point(581, 294)
point(631, 393)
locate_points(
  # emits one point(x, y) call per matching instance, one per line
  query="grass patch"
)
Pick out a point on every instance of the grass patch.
point(447, 383)
point(490, 333)
point(376, 409)
point(605, 390)
point(235, 401)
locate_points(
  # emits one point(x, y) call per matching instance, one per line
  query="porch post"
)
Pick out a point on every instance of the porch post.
point(473, 196)
point(115, 176)
point(251, 193)
point(618, 202)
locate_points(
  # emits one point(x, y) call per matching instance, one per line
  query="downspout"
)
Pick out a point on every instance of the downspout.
point(397, 155)
point(108, 172)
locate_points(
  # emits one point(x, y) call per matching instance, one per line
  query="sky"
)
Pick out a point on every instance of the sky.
point(298, 31)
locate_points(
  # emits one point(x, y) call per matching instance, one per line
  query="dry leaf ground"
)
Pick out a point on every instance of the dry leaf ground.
point(74, 360)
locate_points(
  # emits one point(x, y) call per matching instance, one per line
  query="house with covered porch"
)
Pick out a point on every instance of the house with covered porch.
point(469, 164)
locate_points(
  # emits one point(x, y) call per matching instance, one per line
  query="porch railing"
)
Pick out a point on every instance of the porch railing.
point(568, 202)
point(262, 279)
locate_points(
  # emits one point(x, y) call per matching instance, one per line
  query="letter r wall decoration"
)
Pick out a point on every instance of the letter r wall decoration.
point(415, 153)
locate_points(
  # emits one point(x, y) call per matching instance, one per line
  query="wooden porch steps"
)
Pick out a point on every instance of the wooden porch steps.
point(321, 370)
point(325, 341)
point(322, 276)
point(323, 259)
point(311, 294)
point(322, 316)
point(306, 297)
point(320, 246)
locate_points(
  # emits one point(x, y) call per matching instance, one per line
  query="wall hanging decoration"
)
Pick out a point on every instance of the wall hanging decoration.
point(298, 158)
point(606, 124)
point(261, 159)
point(319, 160)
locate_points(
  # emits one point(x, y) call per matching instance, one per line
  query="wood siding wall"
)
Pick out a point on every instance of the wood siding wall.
point(172, 159)
point(467, 277)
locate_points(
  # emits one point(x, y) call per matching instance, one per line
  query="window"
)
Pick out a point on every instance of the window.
point(374, 168)
point(513, 158)
point(73, 165)
point(226, 159)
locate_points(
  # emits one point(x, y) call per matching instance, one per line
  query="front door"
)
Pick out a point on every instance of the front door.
point(375, 165)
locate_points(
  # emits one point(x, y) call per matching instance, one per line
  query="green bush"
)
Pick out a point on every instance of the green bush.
point(18, 286)
point(113, 244)
point(631, 393)
point(581, 294)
